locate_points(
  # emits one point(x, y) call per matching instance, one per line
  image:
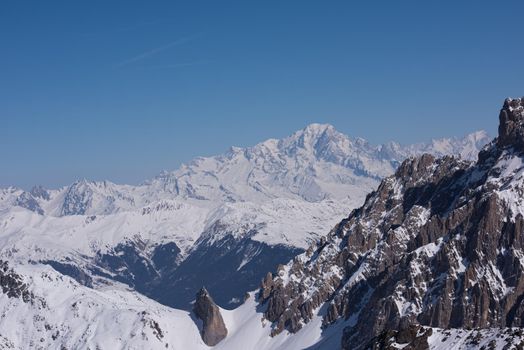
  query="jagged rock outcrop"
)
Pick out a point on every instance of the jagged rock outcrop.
point(439, 244)
point(40, 192)
point(77, 199)
point(26, 200)
point(413, 337)
point(12, 284)
point(213, 328)
point(511, 130)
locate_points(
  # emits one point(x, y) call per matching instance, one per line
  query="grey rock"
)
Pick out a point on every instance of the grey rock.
point(412, 337)
point(433, 246)
point(511, 131)
point(12, 284)
point(213, 329)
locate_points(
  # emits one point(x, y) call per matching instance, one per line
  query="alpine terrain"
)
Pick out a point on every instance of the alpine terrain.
point(261, 175)
point(220, 222)
point(437, 246)
point(433, 259)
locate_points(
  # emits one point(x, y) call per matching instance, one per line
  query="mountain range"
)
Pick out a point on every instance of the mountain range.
point(221, 221)
point(315, 241)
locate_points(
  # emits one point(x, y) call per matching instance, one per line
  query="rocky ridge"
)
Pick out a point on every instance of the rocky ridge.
point(416, 257)
point(12, 284)
point(438, 244)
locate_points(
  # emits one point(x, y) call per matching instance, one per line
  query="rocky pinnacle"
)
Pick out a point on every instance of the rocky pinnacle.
point(511, 130)
point(213, 329)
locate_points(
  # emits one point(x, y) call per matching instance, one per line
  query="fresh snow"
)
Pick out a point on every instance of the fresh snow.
point(64, 313)
point(289, 191)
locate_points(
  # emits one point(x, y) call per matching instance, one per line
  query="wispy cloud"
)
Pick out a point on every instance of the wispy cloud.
point(181, 64)
point(154, 51)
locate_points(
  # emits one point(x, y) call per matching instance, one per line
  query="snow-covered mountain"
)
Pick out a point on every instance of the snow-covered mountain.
point(236, 215)
point(438, 244)
point(42, 309)
point(431, 260)
point(313, 164)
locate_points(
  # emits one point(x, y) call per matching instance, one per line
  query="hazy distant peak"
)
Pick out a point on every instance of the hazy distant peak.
point(478, 135)
point(315, 128)
point(314, 163)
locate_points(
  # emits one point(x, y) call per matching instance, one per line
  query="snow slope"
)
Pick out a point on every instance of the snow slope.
point(61, 314)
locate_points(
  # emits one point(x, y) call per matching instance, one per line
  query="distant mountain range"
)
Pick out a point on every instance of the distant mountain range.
point(221, 221)
point(313, 164)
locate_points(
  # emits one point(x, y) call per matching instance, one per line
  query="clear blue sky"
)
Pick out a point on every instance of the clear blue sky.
point(120, 90)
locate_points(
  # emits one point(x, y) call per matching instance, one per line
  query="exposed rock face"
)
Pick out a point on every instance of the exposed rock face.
point(12, 284)
point(440, 244)
point(26, 200)
point(413, 337)
point(213, 329)
point(511, 131)
point(77, 199)
point(40, 192)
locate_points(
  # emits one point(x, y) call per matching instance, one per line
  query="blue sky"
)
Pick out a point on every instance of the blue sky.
point(120, 90)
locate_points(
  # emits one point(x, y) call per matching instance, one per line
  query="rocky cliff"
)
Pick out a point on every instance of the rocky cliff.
point(439, 244)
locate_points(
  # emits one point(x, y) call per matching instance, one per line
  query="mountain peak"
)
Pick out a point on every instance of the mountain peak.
point(511, 127)
point(314, 136)
point(315, 131)
point(40, 192)
point(434, 245)
point(317, 128)
point(477, 135)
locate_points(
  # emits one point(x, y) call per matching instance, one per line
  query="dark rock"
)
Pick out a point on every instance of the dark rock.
point(130, 264)
point(213, 329)
point(12, 284)
point(228, 267)
point(511, 131)
point(412, 337)
point(165, 256)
